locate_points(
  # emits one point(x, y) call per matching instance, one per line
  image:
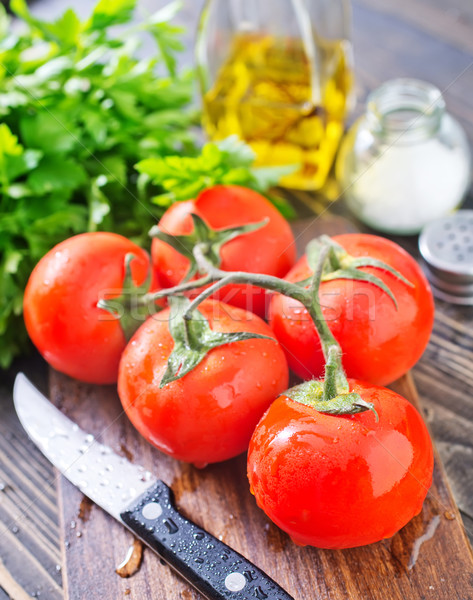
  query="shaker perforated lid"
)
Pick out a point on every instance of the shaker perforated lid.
point(446, 245)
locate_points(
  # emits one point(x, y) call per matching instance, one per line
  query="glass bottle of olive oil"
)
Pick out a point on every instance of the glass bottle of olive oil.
point(274, 73)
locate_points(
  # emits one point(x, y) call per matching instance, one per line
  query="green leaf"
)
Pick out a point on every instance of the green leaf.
point(220, 163)
point(9, 142)
point(20, 8)
point(55, 173)
point(126, 103)
point(236, 152)
point(18, 165)
point(115, 168)
point(67, 28)
point(166, 35)
point(50, 132)
point(111, 12)
point(4, 22)
point(193, 339)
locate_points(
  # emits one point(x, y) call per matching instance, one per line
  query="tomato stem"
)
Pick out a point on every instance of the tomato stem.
point(150, 298)
point(332, 395)
point(335, 379)
point(223, 278)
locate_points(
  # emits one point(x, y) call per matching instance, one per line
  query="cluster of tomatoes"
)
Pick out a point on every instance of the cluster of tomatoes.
point(328, 480)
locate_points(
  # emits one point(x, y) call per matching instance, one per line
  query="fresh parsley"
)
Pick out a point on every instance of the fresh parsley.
point(78, 108)
point(228, 162)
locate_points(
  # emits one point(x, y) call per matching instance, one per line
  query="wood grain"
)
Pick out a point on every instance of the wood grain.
point(30, 561)
point(217, 498)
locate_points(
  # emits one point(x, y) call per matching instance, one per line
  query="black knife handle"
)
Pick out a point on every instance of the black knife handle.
point(212, 567)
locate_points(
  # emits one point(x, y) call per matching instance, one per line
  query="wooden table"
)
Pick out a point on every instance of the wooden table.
point(428, 39)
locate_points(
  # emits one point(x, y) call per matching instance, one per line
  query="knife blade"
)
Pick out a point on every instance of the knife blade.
point(141, 502)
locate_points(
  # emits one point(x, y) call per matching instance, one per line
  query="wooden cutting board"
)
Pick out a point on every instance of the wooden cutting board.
point(430, 558)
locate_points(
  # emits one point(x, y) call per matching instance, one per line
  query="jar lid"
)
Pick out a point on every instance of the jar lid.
point(446, 245)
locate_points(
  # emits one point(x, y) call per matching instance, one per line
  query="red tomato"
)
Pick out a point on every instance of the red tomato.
point(270, 250)
point(60, 304)
point(379, 343)
point(341, 481)
point(210, 413)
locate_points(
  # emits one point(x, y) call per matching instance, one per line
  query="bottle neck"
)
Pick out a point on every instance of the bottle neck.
point(405, 111)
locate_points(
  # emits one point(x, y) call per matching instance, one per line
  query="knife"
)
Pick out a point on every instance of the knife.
point(141, 502)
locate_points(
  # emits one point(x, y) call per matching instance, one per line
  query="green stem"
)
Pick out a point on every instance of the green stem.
point(314, 308)
point(330, 377)
point(223, 278)
point(151, 297)
point(335, 381)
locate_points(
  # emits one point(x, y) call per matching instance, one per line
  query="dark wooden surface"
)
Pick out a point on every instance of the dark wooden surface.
point(429, 39)
point(217, 498)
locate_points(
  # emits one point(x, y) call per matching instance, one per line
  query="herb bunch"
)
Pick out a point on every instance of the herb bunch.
point(78, 108)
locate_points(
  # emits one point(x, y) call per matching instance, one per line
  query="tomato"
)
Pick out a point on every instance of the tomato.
point(379, 342)
point(270, 250)
point(60, 304)
point(341, 481)
point(210, 413)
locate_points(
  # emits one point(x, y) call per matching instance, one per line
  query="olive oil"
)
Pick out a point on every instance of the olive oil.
point(264, 93)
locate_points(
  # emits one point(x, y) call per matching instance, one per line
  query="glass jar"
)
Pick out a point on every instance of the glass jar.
point(279, 74)
point(406, 161)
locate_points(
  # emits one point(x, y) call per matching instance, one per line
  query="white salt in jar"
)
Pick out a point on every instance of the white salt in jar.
point(406, 161)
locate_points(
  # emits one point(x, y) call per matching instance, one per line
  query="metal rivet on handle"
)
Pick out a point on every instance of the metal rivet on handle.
point(235, 582)
point(152, 511)
point(446, 245)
